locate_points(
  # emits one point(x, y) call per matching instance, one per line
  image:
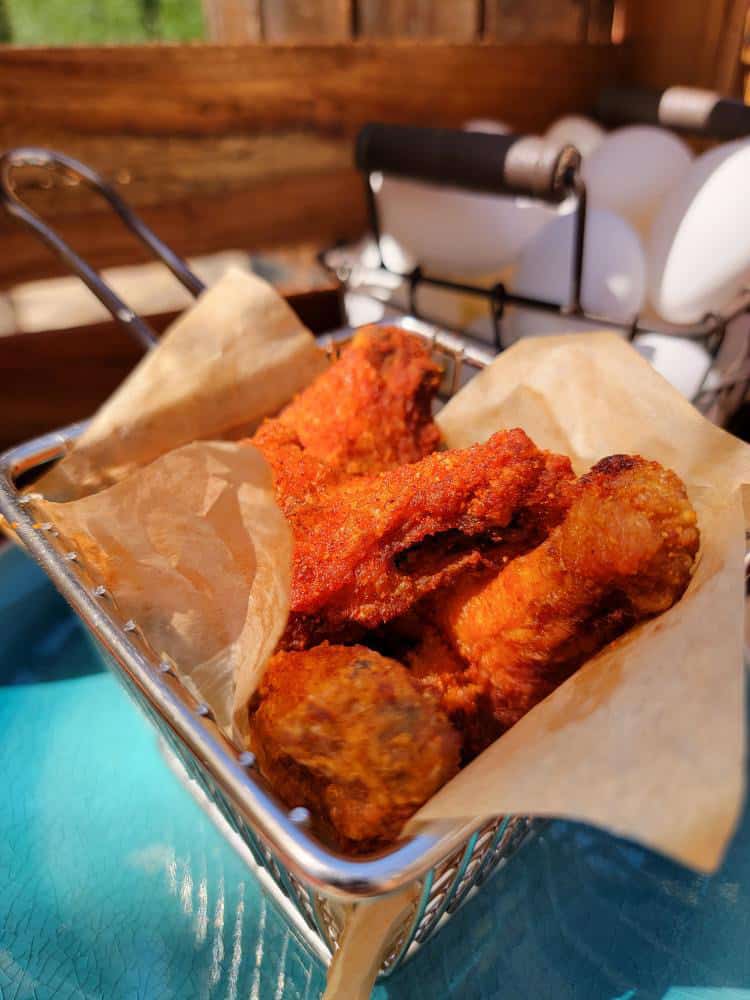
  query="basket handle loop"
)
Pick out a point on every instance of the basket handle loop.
point(31, 156)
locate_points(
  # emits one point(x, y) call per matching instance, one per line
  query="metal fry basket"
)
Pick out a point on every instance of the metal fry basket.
point(445, 862)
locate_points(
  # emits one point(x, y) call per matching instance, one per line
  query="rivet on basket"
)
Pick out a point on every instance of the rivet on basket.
point(165, 667)
point(100, 591)
point(203, 710)
point(71, 556)
point(247, 758)
point(129, 626)
point(299, 815)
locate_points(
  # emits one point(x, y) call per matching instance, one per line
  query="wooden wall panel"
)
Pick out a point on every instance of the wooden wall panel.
point(313, 208)
point(457, 21)
point(692, 42)
point(233, 20)
point(731, 48)
point(205, 90)
point(251, 146)
point(542, 20)
point(599, 16)
point(303, 20)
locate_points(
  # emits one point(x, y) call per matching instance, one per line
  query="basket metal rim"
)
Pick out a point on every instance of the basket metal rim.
point(313, 862)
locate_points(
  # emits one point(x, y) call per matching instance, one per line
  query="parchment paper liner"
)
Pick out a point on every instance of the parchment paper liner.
point(194, 548)
point(233, 358)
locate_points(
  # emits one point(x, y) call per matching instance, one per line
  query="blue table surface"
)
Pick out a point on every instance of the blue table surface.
point(113, 883)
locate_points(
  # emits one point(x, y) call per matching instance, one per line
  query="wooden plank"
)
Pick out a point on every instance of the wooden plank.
point(320, 208)
point(251, 146)
point(152, 170)
point(690, 42)
point(301, 20)
point(56, 377)
point(729, 71)
point(214, 90)
point(232, 21)
point(543, 20)
point(457, 21)
point(599, 16)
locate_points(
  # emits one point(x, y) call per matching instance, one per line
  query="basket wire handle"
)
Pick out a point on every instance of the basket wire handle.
point(31, 156)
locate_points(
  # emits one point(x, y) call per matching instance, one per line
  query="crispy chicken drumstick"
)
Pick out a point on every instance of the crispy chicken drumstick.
point(624, 552)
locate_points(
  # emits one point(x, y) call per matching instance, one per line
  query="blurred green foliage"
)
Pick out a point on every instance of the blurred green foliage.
point(97, 22)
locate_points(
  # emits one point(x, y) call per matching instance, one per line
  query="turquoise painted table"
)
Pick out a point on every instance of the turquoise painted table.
point(114, 885)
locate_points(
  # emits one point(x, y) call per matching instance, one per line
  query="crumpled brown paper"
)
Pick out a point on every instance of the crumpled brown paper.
point(233, 358)
point(195, 550)
point(187, 535)
point(647, 739)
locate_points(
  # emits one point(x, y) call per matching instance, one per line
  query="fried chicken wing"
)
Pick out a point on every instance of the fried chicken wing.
point(368, 549)
point(624, 552)
point(348, 733)
point(371, 410)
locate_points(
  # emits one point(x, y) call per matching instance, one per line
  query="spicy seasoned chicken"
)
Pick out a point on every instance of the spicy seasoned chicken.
point(366, 550)
point(369, 411)
point(624, 552)
point(348, 733)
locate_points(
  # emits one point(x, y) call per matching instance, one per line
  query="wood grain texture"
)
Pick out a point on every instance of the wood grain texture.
point(599, 15)
point(329, 89)
point(233, 21)
point(320, 208)
point(303, 20)
point(745, 57)
point(457, 21)
point(729, 56)
point(56, 377)
point(542, 20)
point(152, 170)
point(251, 146)
point(691, 42)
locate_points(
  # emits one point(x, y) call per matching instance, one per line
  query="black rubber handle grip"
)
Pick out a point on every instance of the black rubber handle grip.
point(684, 109)
point(476, 161)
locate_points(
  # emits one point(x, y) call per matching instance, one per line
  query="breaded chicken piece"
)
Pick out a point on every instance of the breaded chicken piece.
point(624, 552)
point(369, 411)
point(367, 550)
point(298, 477)
point(441, 672)
point(348, 733)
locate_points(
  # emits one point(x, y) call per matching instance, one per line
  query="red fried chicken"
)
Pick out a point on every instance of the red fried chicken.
point(367, 549)
point(370, 411)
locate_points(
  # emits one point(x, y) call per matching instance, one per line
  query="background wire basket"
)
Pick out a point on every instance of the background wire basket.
point(532, 167)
